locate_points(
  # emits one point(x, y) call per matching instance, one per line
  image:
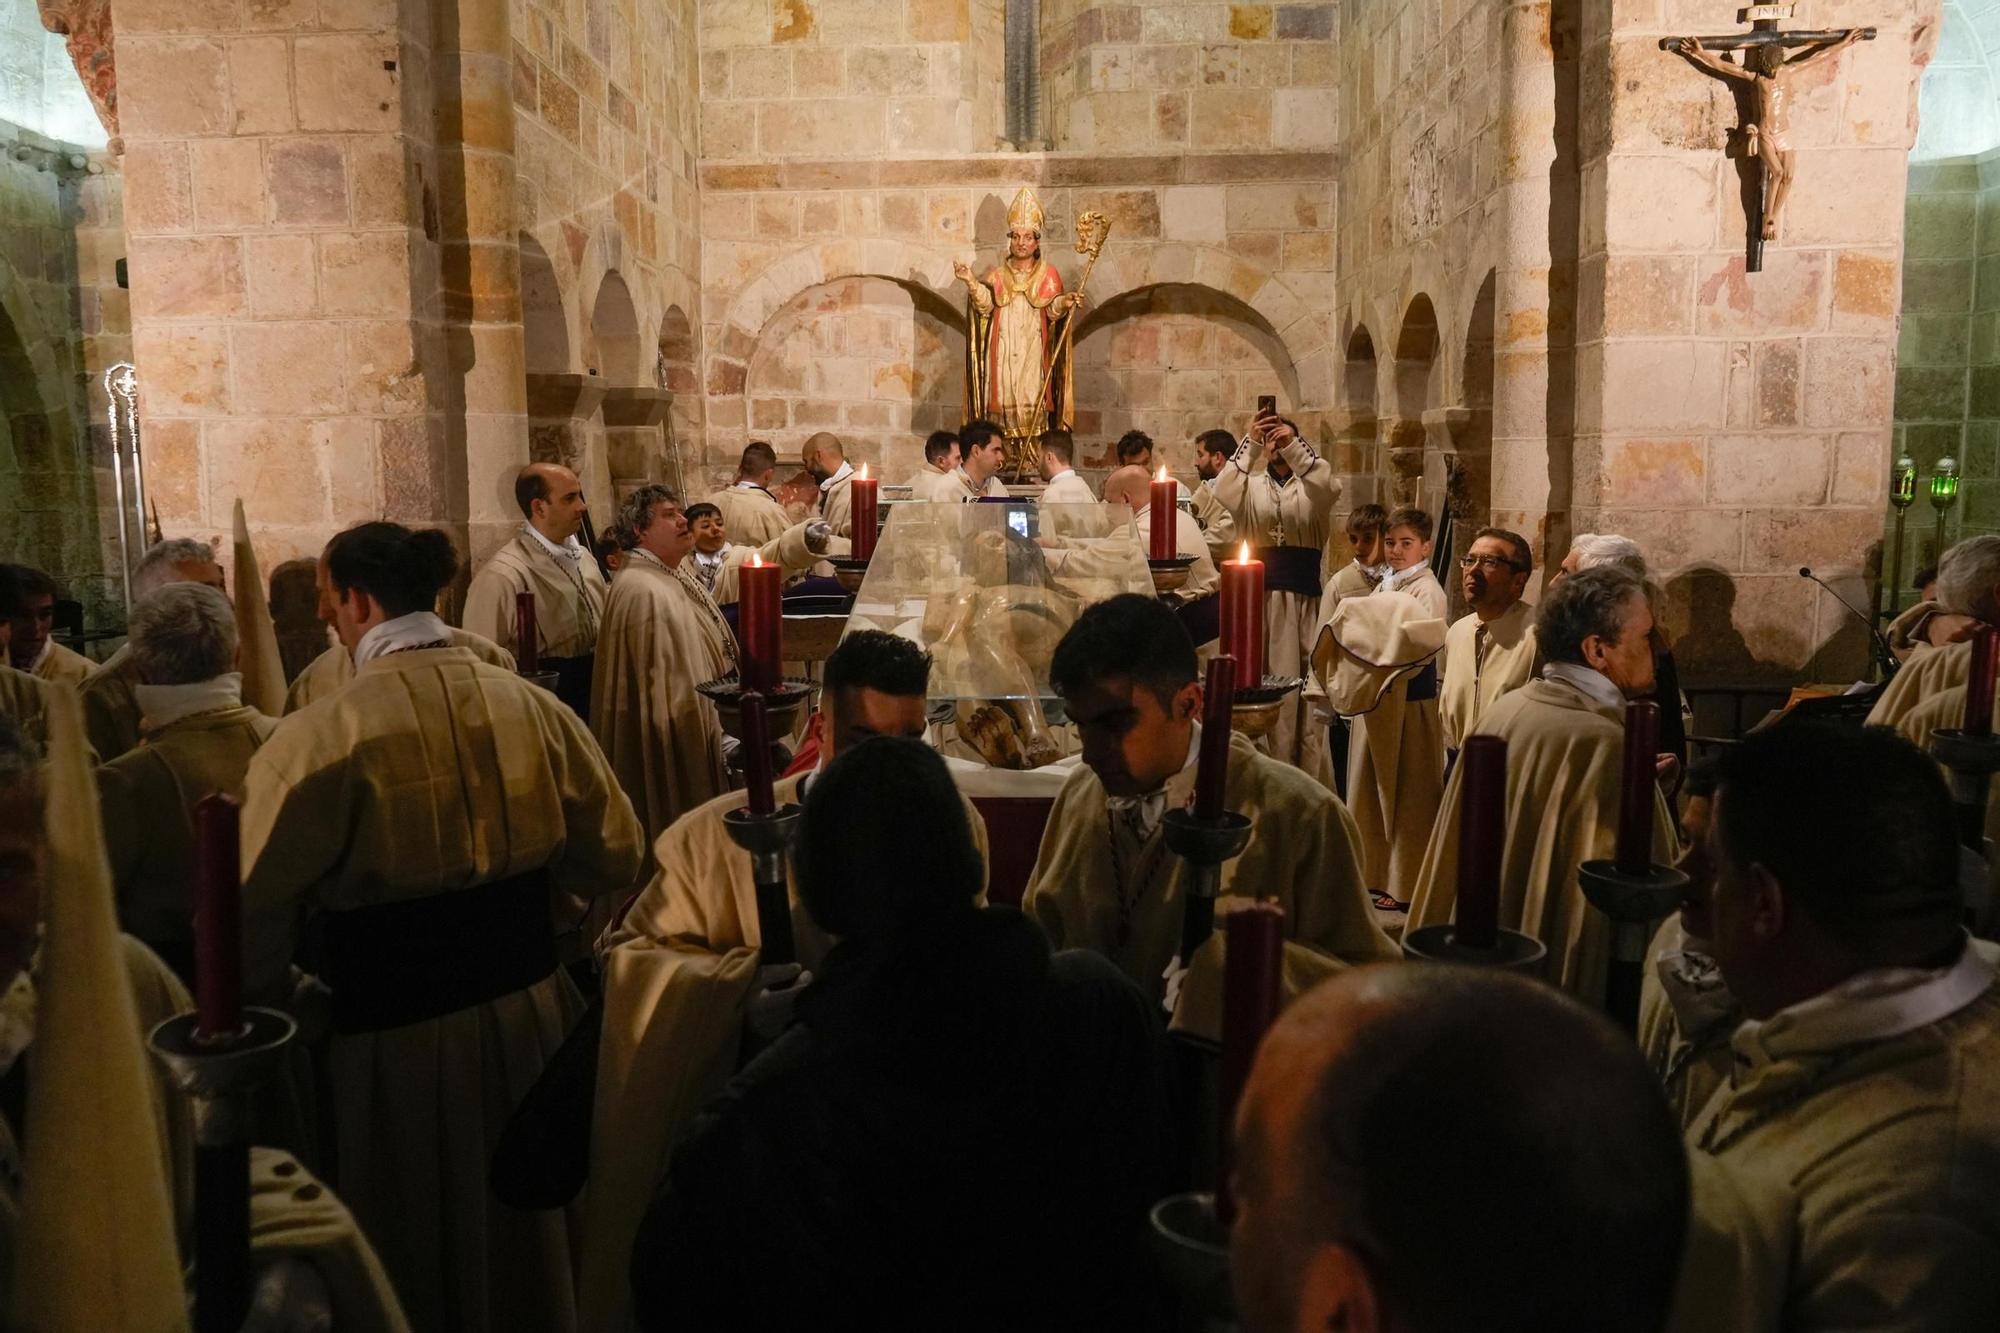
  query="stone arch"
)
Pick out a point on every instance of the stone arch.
point(1468, 428)
point(544, 320)
point(1221, 352)
point(613, 347)
point(47, 486)
point(677, 365)
point(1418, 352)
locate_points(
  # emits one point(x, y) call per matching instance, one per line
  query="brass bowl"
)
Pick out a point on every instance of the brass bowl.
point(1255, 708)
point(784, 707)
point(1170, 575)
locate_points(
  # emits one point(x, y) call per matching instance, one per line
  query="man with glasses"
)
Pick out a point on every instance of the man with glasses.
point(1491, 651)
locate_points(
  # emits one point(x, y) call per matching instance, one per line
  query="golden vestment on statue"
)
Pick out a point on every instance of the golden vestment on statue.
point(429, 775)
point(1013, 336)
point(1099, 885)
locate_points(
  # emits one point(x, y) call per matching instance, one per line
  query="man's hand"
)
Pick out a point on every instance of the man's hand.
point(773, 992)
point(819, 535)
point(1175, 974)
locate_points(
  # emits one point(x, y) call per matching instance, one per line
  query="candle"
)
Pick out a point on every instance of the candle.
point(1482, 832)
point(1253, 960)
point(527, 635)
point(757, 754)
point(1243, 616)
point(1979, 684)
point(218, 918)
point(863, 496)
point(1164, 533)
point(1636, 794)
point(1212, 773)
point(758, 630)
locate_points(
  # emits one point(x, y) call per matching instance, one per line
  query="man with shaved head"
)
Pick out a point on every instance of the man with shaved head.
point(752, 514)
point(547, 560)
point(110, 711)
point(1132, 487)
point(1434, 1149)
point(826, 459)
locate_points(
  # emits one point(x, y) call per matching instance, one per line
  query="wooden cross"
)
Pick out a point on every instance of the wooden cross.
point(1763, 69)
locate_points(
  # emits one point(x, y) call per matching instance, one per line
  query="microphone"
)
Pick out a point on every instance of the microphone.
point(1887, 658)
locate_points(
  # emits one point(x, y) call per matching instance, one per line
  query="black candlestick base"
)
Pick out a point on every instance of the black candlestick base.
point(1632, 903)
point(1170, 574)
point(1204, 844)
point(1511, 951)
point(1970, 760)
point(848, 572)
point(783, 706)
point(1192, 1246)
point(768, 838)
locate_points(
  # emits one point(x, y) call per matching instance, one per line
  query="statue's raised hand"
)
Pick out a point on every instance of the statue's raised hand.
point(963, 272)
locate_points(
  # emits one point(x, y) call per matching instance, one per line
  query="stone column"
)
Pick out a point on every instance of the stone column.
point(1738, 424)
point(277, 243)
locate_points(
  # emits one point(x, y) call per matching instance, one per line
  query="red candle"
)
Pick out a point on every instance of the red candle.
point(218, 918)
point(757, 754)
point(1635, 795)
point(1164, 493)
point(527, 635)
point(1243, 616)
point(758, 630)
point(1253, 960)
point(862, 495)
point(1211, 774)
point(1482, 832)
point(1979, 684)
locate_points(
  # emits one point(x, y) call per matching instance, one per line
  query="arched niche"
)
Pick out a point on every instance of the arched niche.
point(1360, 374)
point(544, 325)
point(1174, 359)
point(1417, 368)
point(614, 333)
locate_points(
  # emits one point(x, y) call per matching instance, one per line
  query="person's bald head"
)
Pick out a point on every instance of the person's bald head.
point(822, 455)
point(551, 499)
point(1430, 1148)
point(1129, 486)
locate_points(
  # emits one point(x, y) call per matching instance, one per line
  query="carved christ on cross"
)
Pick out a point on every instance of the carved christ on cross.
point(1770, 134)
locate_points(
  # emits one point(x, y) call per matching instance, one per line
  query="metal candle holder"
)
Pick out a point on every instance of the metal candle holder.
point(221, 1078)
point(783, 706)
point(1192, 1246)
point(1170, 574)
point(848, 572)
point(1204, 844)
point(1512, 950)
point(768, 838)
point(1971, 760)
point(1254, 709)
point(1632, 903)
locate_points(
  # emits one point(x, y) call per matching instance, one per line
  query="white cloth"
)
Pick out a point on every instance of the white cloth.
point(1591, 684)
point(1144, 812)
point(1396, 578)
point(845, 471)
point(419, 629)
point(570, 550)
point(1870, 1006)
point(48, 646)
point(161, 705)
point(708, 566)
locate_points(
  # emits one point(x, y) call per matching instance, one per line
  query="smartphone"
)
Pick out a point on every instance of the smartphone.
point(1267, 405)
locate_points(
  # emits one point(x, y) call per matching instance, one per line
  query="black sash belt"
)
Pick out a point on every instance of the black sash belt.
point(1291, 569)
point(399, 963)
point(1423, 685)
point(1203, 618)
point(572, 681)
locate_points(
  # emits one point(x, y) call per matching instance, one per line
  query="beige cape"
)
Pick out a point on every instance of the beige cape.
point(1470, 685)
point(335, 667)
point(569, 604)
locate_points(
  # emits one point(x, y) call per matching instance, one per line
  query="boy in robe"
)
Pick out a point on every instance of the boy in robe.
point(1865, 1086)
point(747, 505)
point(433, 821)
point(547, 559)
point(110, 713)
point(663, 636)
point(1104, 879)
point(1565, 739)
point(1368, 562)
point(1491, 651)
point(1395, 752)
point(27, 603)
point(1285, 513)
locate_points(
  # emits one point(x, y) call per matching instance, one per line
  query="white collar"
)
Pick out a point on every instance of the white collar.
point(1147, 809)
point(1870, 1006)
point(707, 560)
point(163, 705)
point(1060, 475)
point(571, 549)
point(419, 629)
point(1396, 578)
point(48, 647)
point(846, 471)
point(1593, 685)
point(645, 556)
point(748, 486)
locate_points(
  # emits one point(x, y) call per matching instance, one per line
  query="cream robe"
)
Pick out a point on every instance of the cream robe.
point(836, 506)
point(1928, 671)
point(1370, 651)
point(569, 604)
point(1690, 1054)
point(333, 668)
point(1350, 580)
point(1297, 513)
point(663, 636)
point(1470, 684)
point(676, 971)
point(1563, 755)
point(955, 487)
point(1068, 489)
point(751, 515)
point(434, 772)
point(1218, 525)
point(25, 700)
point(788, 550)
point(60, 665)
point(1302, 853)
point(1876, 1111)
point(926, 482)
point(110, 710)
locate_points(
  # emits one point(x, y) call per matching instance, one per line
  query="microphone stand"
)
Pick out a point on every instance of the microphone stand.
point(1885, 659)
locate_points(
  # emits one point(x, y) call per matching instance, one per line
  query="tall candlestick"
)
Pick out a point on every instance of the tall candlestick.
point(1212, 772)
point(759, 594)
point(1242, 615)
point(1979, 684)
point(527, 635)
point(1482, 832)
point(1163, 536)
point(1638, 784)
point(863, 494)
point(218, 918)
point(757, 754)
point(1253, 960)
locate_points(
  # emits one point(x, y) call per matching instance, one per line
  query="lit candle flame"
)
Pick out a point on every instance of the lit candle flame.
point(757, 559)
point(1163, 473)
point(1243, 554)
point(864, 472)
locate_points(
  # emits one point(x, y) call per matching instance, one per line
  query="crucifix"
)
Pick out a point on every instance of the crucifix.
point(1764, 69)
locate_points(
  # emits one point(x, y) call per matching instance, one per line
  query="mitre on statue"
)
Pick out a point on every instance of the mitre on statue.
point(1025, 211)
